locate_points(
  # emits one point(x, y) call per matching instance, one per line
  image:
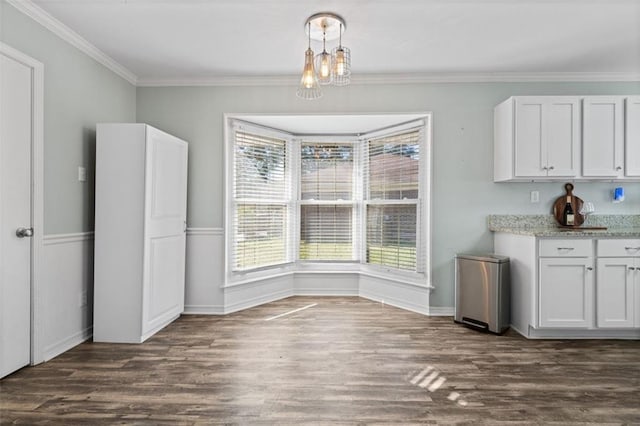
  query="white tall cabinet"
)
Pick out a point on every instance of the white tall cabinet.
point(140, 224)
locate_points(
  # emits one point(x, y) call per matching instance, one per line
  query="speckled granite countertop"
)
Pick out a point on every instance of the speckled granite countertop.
point(546, 226)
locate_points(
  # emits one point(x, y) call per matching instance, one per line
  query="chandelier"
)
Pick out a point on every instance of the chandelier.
point(324, 68)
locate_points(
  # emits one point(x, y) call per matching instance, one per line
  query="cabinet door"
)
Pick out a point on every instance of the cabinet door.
point(561, 125)
point(632, 137)
point(602, 137)
point(615, 292)
point(566, 293)
point(165, 226)
point(530, 151)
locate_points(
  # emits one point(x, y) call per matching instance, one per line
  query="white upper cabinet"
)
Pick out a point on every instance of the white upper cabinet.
point(544, 138)
point(632, 137)
point(602, 143)
point(537, 137)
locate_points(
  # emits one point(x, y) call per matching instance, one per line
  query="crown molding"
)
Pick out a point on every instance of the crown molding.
point(67, 34)
point(273, 80)
point(402, 78)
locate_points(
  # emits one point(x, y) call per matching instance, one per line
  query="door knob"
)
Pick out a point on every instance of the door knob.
point(24, 232)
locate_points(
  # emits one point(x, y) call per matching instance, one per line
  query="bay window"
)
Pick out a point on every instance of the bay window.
point(351, 199)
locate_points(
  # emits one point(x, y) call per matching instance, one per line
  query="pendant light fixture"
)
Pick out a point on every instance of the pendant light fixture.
point(323, 62)
point(341, 63)
point(309, 88)
point(326, 68)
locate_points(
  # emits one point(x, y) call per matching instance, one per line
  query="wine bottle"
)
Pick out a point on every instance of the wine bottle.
point(567, 214)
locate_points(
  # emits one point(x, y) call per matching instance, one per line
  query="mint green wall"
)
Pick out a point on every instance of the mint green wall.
point(463, 192)
point(78, 93)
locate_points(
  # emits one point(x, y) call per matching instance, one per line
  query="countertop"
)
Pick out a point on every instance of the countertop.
point(618, 226)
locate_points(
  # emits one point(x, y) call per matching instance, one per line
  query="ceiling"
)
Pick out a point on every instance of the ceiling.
point(200, 40)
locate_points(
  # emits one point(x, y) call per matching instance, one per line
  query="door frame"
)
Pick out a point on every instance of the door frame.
point(37, 194)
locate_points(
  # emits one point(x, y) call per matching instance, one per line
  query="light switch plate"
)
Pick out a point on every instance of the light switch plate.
point(82, 174)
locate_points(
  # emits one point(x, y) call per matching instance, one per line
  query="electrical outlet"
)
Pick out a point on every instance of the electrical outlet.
point(83, 299)
point(535, 196)
point(82, 174)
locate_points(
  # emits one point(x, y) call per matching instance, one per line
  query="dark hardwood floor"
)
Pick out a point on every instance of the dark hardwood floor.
point(345, 360)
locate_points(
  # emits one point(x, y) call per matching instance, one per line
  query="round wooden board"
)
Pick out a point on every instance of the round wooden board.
point(576, 204)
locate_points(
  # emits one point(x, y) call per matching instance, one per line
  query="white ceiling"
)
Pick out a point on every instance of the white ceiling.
point(183, 40)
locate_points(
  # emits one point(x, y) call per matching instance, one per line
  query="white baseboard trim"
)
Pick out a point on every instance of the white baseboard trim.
point(67, 343)
point(325, 292)
point(203, 310)
point(441, 311)
point(535, 333)
point(398, 303)
point(256, 301)
point(67, 238)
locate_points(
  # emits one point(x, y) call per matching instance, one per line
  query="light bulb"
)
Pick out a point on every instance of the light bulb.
point(340, 62)
point(325, 65)
point(308, 74)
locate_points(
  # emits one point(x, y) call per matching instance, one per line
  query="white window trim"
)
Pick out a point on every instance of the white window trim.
point(423, 239)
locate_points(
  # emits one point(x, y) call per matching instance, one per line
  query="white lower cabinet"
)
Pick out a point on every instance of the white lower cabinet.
point(618, 285)
point(566, 292)
point(573, 288)
point(615, 292)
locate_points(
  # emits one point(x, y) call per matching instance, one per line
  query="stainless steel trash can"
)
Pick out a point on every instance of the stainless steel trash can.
point(483, 291)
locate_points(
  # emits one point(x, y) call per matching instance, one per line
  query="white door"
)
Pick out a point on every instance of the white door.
point(632, 137)
point(165, 224)
point(562, 136)
point(602, 137)
point(566, 293)
point(15, 212)
point(615, 292)
point(530, 146)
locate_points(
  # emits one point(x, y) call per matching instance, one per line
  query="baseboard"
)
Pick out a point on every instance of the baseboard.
point(398, 303)
point(64, 345)
point(536, 333)
point(203, 310)
point(256, 301)
point(441, 311)
point(325, 292)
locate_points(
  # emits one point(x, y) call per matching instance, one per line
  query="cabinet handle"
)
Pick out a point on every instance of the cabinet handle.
point(551, 167)
point(632, 248)
point(566, 248)
point(589, 268)
point(544, 168)
point(631, 268)
point(619, 168)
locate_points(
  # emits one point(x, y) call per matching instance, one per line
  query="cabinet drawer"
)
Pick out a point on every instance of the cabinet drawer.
point(619, 248)
point(566, 248)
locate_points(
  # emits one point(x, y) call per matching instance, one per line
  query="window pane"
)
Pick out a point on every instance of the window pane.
point(391, 236)
point(259, 167)
point(393, 166)
point(326, 232)
point(259, 236)
point(326, 171)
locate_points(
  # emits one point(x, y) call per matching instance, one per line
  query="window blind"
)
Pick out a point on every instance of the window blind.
point(327, 201)
point(393, 166)
point(391, 236)
point(392, 188)
point(326, 171)
point(326, 232)
point(261, 201)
